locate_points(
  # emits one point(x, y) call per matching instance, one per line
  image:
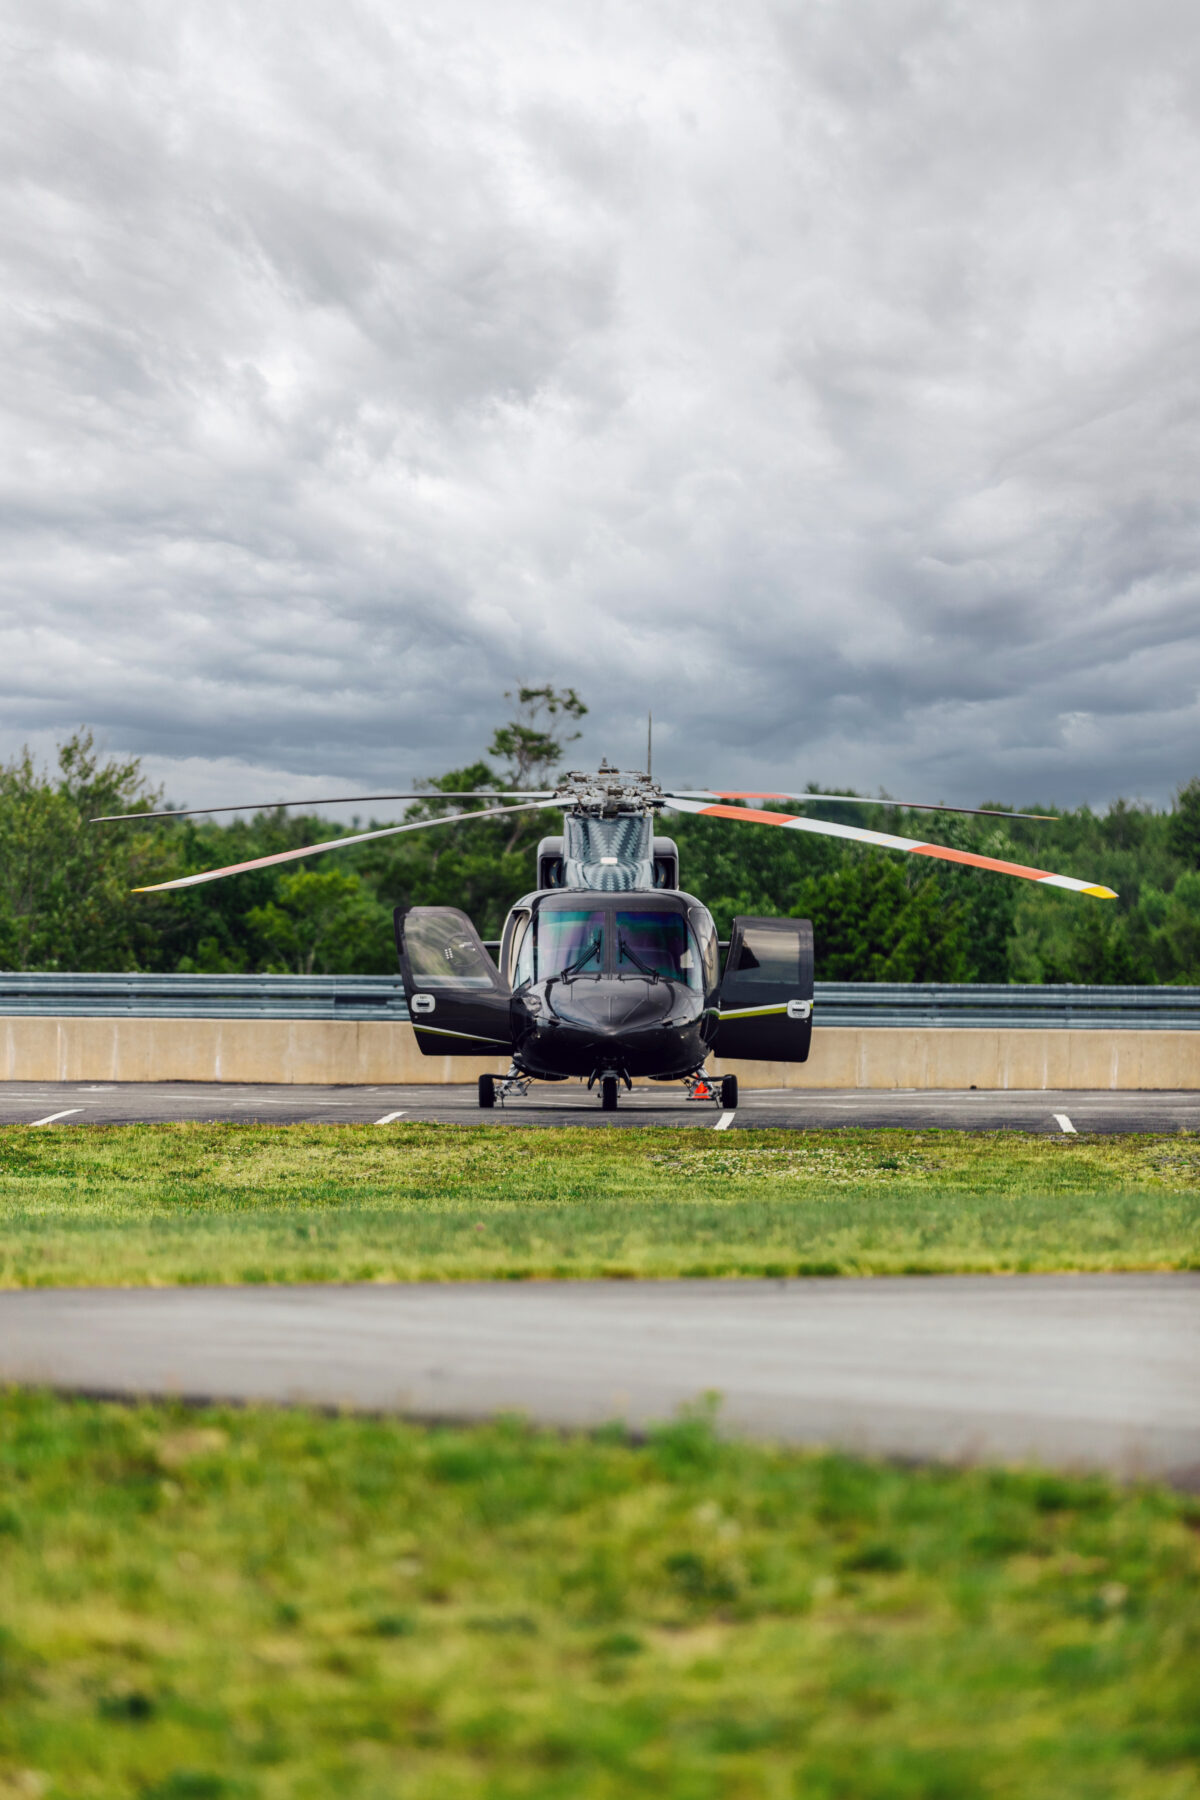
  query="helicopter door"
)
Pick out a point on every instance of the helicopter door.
point(766, 997)
point(457, 1001)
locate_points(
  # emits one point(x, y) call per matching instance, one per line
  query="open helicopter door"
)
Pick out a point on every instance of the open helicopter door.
point(457, 1000)
point(766, 997)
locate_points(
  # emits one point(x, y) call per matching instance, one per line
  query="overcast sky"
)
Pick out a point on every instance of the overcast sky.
point(824, 374)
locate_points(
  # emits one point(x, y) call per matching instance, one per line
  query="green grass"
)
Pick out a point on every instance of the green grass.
point(225, 1605)
point(141, 1204)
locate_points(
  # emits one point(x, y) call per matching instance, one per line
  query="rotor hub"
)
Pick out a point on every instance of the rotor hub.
point(608, 792)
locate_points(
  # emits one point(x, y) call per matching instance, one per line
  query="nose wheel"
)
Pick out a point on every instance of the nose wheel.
point(608, 1093)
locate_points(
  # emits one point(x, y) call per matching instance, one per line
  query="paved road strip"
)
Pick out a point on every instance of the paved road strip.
point(1069, 1371)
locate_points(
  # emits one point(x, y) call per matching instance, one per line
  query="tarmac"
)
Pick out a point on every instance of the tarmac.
point(49, 1103)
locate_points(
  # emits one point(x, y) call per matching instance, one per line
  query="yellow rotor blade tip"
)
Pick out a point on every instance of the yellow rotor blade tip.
point(1101, 893)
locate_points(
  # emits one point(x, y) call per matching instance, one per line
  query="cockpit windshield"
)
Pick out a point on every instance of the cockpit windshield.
point(657, 944)
point(568, 943)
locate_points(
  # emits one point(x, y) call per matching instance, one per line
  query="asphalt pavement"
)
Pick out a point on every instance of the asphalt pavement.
point(1082, 1371)
point(49, 1103)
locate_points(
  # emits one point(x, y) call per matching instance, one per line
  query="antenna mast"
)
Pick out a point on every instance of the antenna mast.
point(649, 745)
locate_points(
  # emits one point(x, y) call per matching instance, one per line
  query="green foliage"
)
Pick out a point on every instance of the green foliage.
point(481, 868)
point(881, 918)
point(65, 899)
point(875, 922)
point(1183, 827)
point(324, 920)
point(533, 752)
point(226, 1604)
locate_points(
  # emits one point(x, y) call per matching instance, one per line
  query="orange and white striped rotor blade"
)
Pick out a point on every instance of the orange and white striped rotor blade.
point(858, 834)
point(341, 843)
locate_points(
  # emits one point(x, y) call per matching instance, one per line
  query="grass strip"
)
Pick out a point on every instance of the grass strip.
point(167, 1204)
point(225, 1605)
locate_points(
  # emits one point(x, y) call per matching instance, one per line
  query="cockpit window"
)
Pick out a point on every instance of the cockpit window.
point(706, 938)
point(520, 951)
point(568, 943)
point(657, 944)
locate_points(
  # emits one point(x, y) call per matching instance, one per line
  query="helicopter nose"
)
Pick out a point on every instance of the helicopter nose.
point(629, 1003)
point(607, 1008)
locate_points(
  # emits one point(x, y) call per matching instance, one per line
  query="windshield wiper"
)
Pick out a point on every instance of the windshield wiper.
point(573, 968)
point(623, 949)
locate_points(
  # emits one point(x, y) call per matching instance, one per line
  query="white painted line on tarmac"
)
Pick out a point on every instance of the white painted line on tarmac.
point(724, 1122)
point(389, 1118)
point(53, 1116)
point(1064, 1124)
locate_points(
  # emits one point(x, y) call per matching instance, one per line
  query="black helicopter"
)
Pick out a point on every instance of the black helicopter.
point(609, 969)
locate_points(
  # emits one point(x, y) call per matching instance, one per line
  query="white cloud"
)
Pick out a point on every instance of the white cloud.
point(822, 375)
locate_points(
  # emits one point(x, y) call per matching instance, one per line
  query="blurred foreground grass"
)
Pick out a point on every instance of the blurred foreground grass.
point(242, 1203)
point(225, 1605)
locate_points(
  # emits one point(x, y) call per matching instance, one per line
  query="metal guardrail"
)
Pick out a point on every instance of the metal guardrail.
point(205, 996)
point(851, 1003)
point(1053, 1007)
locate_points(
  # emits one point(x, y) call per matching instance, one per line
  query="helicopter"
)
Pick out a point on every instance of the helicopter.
point(609, 970)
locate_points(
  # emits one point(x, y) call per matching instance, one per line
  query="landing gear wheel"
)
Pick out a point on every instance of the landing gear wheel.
point(608, 1093)
point(487, 1090)
point(729, 1092)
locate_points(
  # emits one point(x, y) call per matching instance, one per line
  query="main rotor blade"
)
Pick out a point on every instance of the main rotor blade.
point(342, 843)
point(980, 812)
point(190, 812)
point(860, 835)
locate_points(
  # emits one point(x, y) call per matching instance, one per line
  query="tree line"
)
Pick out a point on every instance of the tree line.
point(66, 900)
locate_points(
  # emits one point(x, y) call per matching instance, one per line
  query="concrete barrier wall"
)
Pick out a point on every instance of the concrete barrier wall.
point(374, 1052)
point(986, 1057)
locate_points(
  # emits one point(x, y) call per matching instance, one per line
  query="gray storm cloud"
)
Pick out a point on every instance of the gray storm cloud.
point(824, 376)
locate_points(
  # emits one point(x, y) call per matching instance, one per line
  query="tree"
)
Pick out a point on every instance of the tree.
point(872, 923)
point(533, 751)
point(1183, 827)
point(65, 884)
point(325, 922)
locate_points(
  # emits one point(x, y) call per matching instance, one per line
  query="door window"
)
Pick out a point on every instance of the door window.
point(769, 958)
point(442, 954)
